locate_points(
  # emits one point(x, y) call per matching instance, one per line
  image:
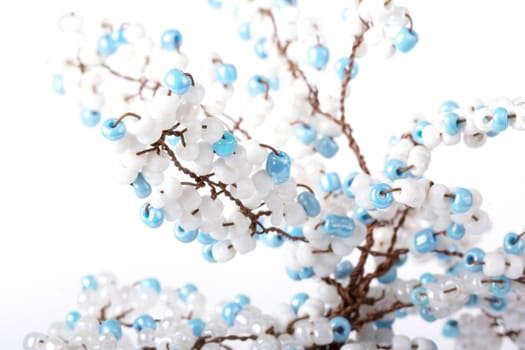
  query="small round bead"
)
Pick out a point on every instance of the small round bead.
point(58, 84)
point(425, 241)
point(177, 81)
point(226, 145)
point(143, 322)
point(260, 48)
point(197, 326)
point(451, 124)
point(150, 283)
point(329, 182)
point(305, 133)
point(186, 290)
point(389, 277)
point(500, 119)
point(318, 56)
point(184, 236)
point(343, 270)
point(326, 146)
point(392, 169)
point(500, 286)
point(151, 216)
point(494, 264)
point(278, 166)
point(450, 329)
point(471, 258)
point(448, 106)
point(405, 40)
point(141, 187)
point(417, 132)
point(347, 184)
point(89, 282)
point(258, 85)
point(462, 201)
point(225, 73)
point(72, 319)
point(456, 231)
point(171, 40)
point(111, 327)
point(89, 118)
point(106, 45)
point(513, 245)
point(229, 313)
point(341, 329)
point(298, 300)
point(379, 198)
point(338, 225)
point(113, 132)
point(309, 203)
point(341, 66)
point(427, 278)
point(245, 31)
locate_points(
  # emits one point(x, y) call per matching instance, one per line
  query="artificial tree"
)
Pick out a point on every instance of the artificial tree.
point(232, 183)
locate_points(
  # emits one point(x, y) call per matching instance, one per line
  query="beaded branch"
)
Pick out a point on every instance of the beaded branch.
point(232, 183)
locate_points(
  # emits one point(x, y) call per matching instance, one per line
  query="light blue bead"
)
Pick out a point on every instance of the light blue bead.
point(401, 313)
point(318, 56)
point(338, 225)
point(456, 231)
point(500, 119)
point(417, 132)
point(58, 84)
point(113, 132)
point(184, 236)
point(177, 81)
point(453, 270)
point(89, 118)
point(451, 123)
point(401, 261)
point(427, 278)
point(150, 283)
point(278, 166)
point(450, 329)
point(118, 36)
point(207, 253)
point(329, 182)
point(513, 245)
point(298, 300)
point(419, 296)
point(271, 240)
point(197, 326)
point(309, 203)
point(343, 270)
point(151, 216)
point(362, 215)
point(172, 140)
point(111, 327)
point(426, 314)
point(216, 4)
point(225, 73)
point(294, 231)
point(405, 40)
point(305, 133)
point(230, 312)
point(245, 31)
point(143, 322)
point(497, 304)
point(171, 40)
point(470, 259)
point(472, 301)
point(500, 286)
point(274, 83)
point(72, 319)
point(306, 272)
point(204, 238)
point(445, 257)
point(341, 329)
point(384, 323)
point(448, 106)
point(462, 201)
point(379, 198)
point(492, 133)
point(186, 290)
point(389, 277)
point(347, 183)
point(294, 275)
point(341, 65)
point(258, 85)
point(392, 169)
point(326, 146)
point(242, 300)
point(89, 282)
point(260, 48)
point(106, 45)
point(141, 187)
point(425, 241)
point(226, 145)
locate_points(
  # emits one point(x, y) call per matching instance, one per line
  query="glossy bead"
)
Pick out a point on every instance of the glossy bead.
point(225, 73)
point(497, 304)
point(118, 36)
point(177, 81)
point(338, 225)
point(329, 182)
point(405, 40)
point(379, 198)
point(58, 84)
point(513, 245)
point(89, 282)
point(392, 169)
point(470, 259)
point(186, 290)
point(417, 132)
point(207, 253)
point(318, 56)
point(141, 187)
point(305, 133)
point(448, 106)
point(500, 286)
point(341, 65)
point(111, 327)
point(278, 166)
point(72, 319)
point(260, 48)
point(326, 146)
point(258, 85)
point(184, 236)
point(462, 201)
point(500, 119)
point(450, 329)
point(150, 283)
point(427, 278)
point(204, 238)
point(309, 203)
point(293, 274)
point(456, 231)
point(271, 240)
point(419, 296)
point(171, 40)
point(295, 231)
point(106, 45)
point(230, 312)
point(89, 118)
point(144, 321)
point(242, 299)
point(425, 241)
point(347, 184)
point(298, 300)
point(426, 314)
point(225, 146)
point(245, 31)
point(197, 326)
point(362, 215)
point(151, 216)
point(305, 273)
point(113, 132)
point(389, 277)
point(451, 124)
point(343, 270)
point(341, 329)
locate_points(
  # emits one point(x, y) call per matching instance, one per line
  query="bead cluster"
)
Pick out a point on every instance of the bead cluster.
point(208, 175)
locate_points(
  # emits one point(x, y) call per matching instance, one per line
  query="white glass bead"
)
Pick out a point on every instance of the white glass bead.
point(419, 157)
point(244, 244)
point(224, 173)
point(494, 264)
point(303, 332)
point(400, 342)
point(313, 308)
point(223, 251)
point(515, 266)
point(165, 103)
point(475, 141)
point(212, 129)
point(195, 94)
point(152, 177)
point(436, 196)
point(412, 194)
point(267, 342)
point(294, 214)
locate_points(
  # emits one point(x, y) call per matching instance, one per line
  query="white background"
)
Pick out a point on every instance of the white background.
point(62, 216)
